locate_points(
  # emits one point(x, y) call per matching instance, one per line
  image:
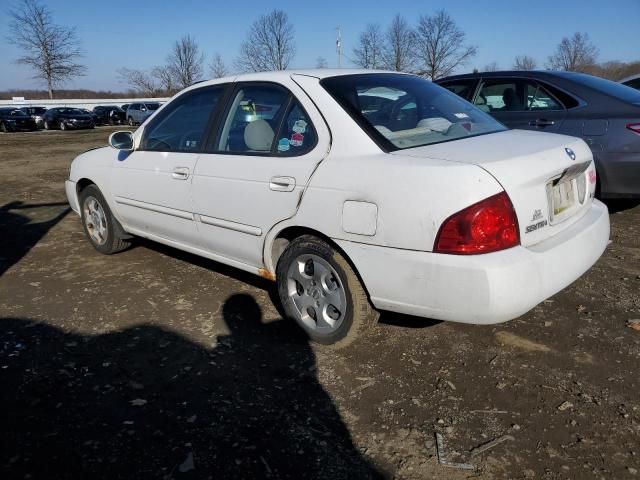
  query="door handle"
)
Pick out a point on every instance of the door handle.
point(541, 122)
point(180, 173)
point(282, 184)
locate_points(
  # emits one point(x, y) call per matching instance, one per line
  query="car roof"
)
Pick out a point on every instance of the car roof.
point(280, 75)
point(508, 73)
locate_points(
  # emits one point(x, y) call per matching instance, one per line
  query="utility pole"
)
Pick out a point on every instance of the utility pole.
point(339, 46)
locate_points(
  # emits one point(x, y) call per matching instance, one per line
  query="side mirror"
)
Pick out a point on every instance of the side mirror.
point(121, 140)
point(143, 109)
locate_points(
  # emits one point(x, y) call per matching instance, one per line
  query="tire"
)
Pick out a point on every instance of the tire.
point(130, 121)
point(3, 128)
point(100, 226)
point(330, 280)
point(46, 126)
point(63, 126)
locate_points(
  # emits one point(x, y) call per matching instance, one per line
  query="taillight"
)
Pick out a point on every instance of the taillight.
point(634, 127)
point(487, 226)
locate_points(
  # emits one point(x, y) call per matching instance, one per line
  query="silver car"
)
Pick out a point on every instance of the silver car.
point(139, 112)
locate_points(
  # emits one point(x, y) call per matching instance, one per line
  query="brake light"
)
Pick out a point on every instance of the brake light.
point(487, 226)
point(634, 127)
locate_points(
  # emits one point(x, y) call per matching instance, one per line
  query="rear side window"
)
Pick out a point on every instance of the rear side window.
point(182, 125)
point(515, 95)
point(633, 83)
point(265, 120)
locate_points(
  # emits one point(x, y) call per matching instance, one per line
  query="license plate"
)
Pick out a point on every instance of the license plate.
point(563, 198)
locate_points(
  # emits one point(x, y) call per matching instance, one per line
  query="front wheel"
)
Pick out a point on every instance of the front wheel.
point(63, 126)
point(46, 126)
point(130, 122)
point(319, 289)
point(3, 128)
point(100, 226)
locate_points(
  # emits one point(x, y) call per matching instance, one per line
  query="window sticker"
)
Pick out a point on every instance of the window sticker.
point(283, 144)
point(297, 139)
point(461, 115)
point(300, 126)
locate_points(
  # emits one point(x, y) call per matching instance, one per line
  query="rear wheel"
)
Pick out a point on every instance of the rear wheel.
point(130, 121)
point(46, 125)
point(322, 293)
point(101, 228)
point(63, 126)
point(3, 128)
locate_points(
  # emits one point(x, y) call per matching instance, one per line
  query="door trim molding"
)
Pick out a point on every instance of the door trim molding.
point(154, 208)
point(238, 227)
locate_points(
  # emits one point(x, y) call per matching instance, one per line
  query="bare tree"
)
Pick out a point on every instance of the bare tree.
point(400, 43)
point(370, 50)
point(270, 44)
point(185, 62)
point(491, 67)
point(441, 45)
point(164, 77)
point(524, 62)
point(575, 54)
point(321, 62)
point(217, 67)
point(50, 50)
point(141, 81)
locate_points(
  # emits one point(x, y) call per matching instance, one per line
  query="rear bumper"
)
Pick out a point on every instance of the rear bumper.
point(619, 174)
point(480, 289)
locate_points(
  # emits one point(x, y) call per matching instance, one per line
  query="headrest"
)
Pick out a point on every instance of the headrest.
point(258, 135)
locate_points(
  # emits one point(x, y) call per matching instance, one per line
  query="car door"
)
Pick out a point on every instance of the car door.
point(520, 103)
point(268, 143)
point(151, 186)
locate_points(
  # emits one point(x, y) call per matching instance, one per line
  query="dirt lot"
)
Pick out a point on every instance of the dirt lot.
point(157, 364)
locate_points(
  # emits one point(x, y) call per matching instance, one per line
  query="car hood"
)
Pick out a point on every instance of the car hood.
point(525, 163)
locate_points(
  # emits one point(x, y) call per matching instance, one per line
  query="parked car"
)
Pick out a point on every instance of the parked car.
point(632, 81)
point(36, 114)
point(91, 113)
point(67, 118)
point(15, 120)
point(604, 113)
point(139, 112)
point(425, 205)
point(109, 115)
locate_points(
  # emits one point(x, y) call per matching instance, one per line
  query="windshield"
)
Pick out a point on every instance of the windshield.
point(152, 106)
point(613, 89)
point(404, 111)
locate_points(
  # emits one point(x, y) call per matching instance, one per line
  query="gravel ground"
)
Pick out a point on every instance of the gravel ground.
point(154, 363)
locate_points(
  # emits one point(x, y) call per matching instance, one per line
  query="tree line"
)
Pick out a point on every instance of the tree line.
point(434, 47)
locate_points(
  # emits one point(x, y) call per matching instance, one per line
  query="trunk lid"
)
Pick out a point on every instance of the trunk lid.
point(549, 178)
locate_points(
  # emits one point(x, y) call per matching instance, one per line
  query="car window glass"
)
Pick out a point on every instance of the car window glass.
point(403, 111)
point(501, 95)
point(539, 99)
point(254, 117)
point(297, 135)
point(181, 126)
point(634, 83)
point(463, 88)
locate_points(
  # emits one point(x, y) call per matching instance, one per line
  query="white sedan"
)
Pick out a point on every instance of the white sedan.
point(355, 191)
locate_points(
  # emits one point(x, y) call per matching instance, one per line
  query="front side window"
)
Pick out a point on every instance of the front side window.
point(404, 111)
point(182, 125)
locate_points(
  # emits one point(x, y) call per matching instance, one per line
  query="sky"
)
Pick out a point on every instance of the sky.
point(139, 34)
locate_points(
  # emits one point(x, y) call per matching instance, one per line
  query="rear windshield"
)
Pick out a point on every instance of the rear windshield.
point(152, 106)
point(14, 112)
point(405, 111)
point(613, 89)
